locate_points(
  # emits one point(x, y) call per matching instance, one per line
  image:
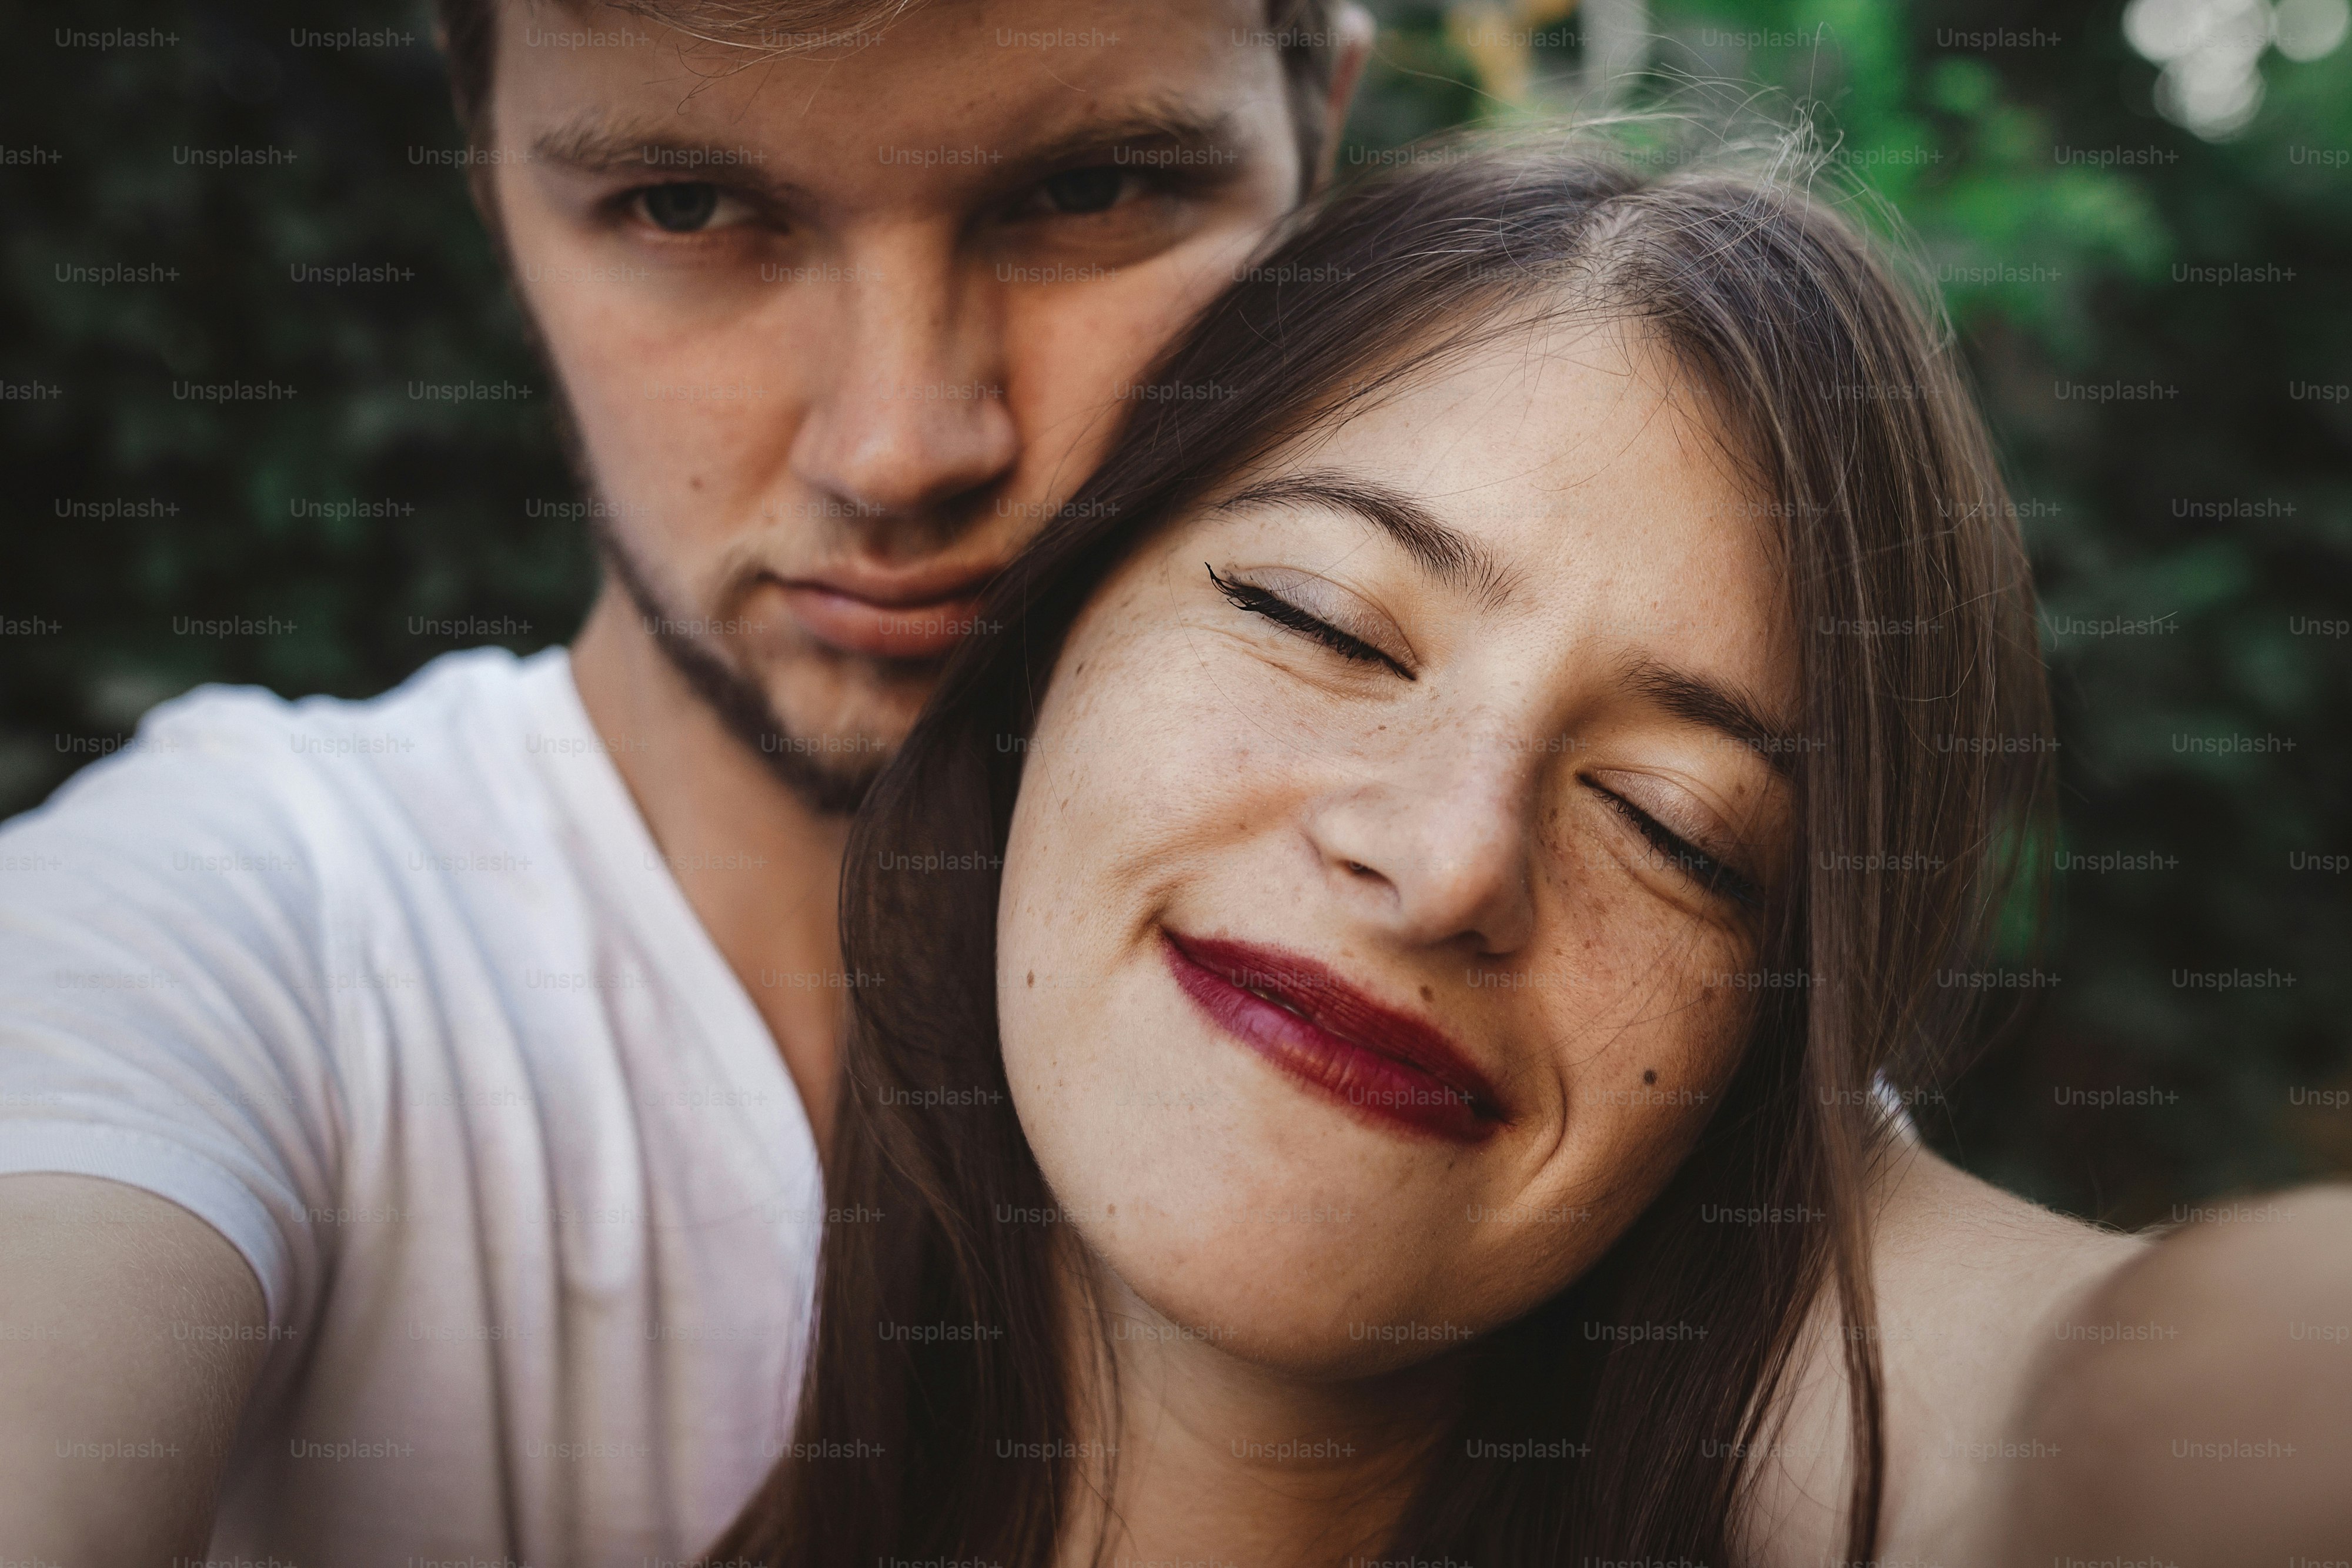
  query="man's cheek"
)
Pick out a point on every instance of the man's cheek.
point(1077, 363)
point(593, 348)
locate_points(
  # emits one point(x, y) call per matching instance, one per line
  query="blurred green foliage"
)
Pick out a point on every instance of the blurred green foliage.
point(250, 509)
point(2072, 228)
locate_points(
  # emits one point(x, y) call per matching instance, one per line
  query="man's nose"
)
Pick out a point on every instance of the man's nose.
point(907, 409)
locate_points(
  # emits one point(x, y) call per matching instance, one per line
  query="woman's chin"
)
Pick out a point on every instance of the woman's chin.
point(1253, 1213)
point(1313, 1280)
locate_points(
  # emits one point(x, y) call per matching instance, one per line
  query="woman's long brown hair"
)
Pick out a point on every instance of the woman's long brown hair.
point(1920, 772)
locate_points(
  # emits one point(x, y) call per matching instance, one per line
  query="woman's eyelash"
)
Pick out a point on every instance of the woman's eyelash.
point(1281, 613)
point(1691, 860)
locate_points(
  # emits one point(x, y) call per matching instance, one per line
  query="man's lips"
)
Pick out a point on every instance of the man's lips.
point(1386, 1066)
point(915, 614)
point(858, 625)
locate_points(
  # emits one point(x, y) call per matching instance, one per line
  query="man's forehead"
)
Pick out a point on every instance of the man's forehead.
point(604, 135)
point(1004, 78)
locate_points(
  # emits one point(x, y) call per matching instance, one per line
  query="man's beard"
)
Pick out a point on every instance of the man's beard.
point(741, 705)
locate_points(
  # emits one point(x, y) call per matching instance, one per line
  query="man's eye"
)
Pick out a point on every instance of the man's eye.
point(681, 208)
point(1090, 189)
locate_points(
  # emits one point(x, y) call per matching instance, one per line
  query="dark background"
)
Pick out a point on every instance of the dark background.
point(366, 530)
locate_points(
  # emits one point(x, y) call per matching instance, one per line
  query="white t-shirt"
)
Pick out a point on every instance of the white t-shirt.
point(401, 997)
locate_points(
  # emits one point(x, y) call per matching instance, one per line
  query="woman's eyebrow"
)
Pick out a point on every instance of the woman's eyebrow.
point(1445, 552)
point(1726, 710)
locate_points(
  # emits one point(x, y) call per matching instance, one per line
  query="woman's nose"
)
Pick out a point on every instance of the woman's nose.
point(1440, 851)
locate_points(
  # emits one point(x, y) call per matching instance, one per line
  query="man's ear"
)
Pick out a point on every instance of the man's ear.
point(1356, 27)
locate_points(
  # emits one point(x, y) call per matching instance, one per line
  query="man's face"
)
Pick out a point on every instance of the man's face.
point(839, 330)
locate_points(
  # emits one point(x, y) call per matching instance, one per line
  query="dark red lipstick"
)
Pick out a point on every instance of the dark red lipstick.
point(1388, 1067)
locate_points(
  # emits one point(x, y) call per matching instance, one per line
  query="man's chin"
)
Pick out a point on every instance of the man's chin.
point(822, 721)
point(824, 725)
point(843, 717)
point(832, 782)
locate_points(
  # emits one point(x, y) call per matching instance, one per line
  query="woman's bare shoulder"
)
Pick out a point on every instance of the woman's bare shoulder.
point(1973, 1284)
point(1947, 1244)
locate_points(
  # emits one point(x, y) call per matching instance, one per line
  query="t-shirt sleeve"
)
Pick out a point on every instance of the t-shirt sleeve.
point(165, 1006)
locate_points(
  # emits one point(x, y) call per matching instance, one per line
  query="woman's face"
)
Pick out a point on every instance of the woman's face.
point(1388, 858)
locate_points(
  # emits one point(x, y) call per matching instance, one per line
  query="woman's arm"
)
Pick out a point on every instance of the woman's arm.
point(2199, 1408)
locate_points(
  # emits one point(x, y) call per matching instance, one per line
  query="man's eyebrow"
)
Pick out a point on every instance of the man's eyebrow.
point(1206, 141)
point(1196, 144)
point(1725, 709)
point(1445, 552)
point(600, 144)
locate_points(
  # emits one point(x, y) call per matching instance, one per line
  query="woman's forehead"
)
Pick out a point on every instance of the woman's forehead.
point(1579, 454)
point(1546, 417)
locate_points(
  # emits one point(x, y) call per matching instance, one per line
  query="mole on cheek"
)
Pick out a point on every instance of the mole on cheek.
point(1426, 994)
point(1650, 1075)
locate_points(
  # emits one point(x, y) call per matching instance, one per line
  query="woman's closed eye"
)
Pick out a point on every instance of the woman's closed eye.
point(1286, 613)
point(1681, 855)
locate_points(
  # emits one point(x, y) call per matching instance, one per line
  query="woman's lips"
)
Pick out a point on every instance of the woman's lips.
point(1388, 1068)
point(855, 625)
